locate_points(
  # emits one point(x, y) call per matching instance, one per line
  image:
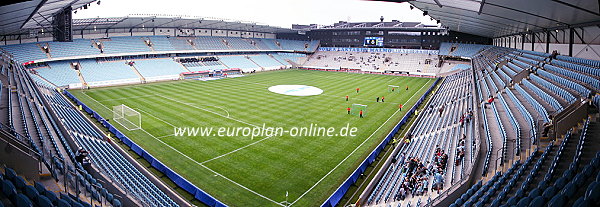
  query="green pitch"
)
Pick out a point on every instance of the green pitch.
point(242, 171)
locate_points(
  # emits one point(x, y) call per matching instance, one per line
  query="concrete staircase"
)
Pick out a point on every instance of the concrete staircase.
point(135, 70)
point(261, 68)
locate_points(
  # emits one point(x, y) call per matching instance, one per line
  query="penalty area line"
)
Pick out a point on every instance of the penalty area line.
point(211, 170)
point(191, 105)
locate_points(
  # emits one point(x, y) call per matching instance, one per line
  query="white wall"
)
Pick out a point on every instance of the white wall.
point(143, 33)
point(44, 39)
point(119, 34)
point(540, 47)
point(586, 51)
point(184, 32)
point(234, 34)
point(270, 36)
point(247, 34)
point(202, 32)
point(562, 49)
point(94, 36)
point(220, 33)
point(164, 31)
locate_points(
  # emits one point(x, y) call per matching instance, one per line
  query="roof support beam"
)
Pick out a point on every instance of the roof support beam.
point(580, 36)
point(528, 13)
point(86, 26)
point(169, 22)
point(142, 23)
point(481, 7)
point(438, 3)
point(577, 7)
point(34, 12)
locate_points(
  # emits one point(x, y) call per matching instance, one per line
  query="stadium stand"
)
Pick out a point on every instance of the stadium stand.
point(59, 73)
point(118, 45)
point(107, 73)
point(438, 150)
point(381, 61)
point(461, 50)
point(241, 62)
point(25, 52)
point(79, 47)
point(162, 43)
point(266, 61)
point(155, 68)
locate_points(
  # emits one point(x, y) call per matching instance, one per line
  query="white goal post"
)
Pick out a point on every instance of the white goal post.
point(127, 117)
point(393, 88)
point(356, 108)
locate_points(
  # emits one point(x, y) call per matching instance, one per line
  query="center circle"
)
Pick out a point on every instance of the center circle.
point(296, 90)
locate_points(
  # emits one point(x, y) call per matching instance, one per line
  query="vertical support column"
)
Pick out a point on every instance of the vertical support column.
point(522, 41)
point(533, 42)
point(548, 42)
point(571, 40)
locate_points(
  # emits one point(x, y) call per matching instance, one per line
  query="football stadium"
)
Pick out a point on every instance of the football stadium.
point(482, 103)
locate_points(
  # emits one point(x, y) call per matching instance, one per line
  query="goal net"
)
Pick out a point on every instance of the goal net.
point(393, 88)
point(356, 108)
point(127, 117)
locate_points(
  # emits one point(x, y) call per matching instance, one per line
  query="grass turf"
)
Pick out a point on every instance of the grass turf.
point(258, 172)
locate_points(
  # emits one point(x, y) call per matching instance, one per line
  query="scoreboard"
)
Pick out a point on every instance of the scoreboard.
point(373, 42)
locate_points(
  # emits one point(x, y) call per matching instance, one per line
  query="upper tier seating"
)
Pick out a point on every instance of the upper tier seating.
point(137, 44)
point(124, 45)
point(25, 52)
point(162, 43)
point(78, 47)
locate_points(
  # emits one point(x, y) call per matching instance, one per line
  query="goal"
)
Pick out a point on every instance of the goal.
point(393, 88)
point(355, 109)
point(127, 117)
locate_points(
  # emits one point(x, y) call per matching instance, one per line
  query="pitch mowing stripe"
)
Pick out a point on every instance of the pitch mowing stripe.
point(200, 164)
point(330, 85)
point(340, 163)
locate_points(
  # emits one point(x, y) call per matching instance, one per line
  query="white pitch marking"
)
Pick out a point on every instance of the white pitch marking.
point(340, 163)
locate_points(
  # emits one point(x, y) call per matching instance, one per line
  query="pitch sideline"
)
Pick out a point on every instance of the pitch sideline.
point(340, 163)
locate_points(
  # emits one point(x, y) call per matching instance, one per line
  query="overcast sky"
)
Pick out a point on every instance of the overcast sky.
point(282, 13)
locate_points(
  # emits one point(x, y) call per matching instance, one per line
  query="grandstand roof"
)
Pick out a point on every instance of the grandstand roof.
point(174, 22)
point(495, 18)
point(346, 25)
point(19, 17)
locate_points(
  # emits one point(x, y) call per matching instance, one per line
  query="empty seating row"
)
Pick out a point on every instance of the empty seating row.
point(22, 194)
point(545, 96)
point(550, 86)
point(583, 91)
point(595, 83)
point(158, 67)
point(594, 63)
point(536, 105)
point(581, 68)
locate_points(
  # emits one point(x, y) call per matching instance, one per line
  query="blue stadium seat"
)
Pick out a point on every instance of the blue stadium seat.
point(23, 201)
point(593, 192)
point(524, 202)
point(537, 202)
point(581, 202)
point(63, 203)
point(31, 192)
point(43, 201)
point(8, 189)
